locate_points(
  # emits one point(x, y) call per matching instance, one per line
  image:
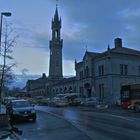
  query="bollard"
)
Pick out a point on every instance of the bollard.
point(3, 120)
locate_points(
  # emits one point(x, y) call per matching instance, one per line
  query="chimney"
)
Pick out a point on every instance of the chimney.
point(118, 42)
point(43, 75)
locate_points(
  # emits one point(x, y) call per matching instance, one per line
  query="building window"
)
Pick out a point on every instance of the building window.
point(101, 70)
point(81, 74)
point(101, 91)
point(123, 69)
point(86, 72)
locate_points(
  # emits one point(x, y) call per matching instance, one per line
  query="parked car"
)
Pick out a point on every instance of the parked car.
point(90, 101)
point(73, 98)
point(137, 106)
point(7, 100)
point(77, 101)
point(44, 101)
point(37, 100)
point(21, 109)
point(58, 102)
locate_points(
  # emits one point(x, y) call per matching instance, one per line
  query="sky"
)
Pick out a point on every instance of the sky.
point(86, 24)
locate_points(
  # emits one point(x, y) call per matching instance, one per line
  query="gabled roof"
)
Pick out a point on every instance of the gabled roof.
point(42, 79)
point(79, 64)
point(125, 50)
point(90, 54)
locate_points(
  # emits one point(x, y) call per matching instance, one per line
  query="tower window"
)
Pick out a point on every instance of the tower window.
point(51, 53)
point(56, 34)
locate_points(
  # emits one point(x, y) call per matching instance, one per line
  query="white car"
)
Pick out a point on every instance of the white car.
point(90, 101)
point(137, 106)
point(58, 102)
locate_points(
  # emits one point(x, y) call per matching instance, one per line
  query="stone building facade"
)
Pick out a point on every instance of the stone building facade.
point(98, 74)
point(102, 74)
point(37, 87)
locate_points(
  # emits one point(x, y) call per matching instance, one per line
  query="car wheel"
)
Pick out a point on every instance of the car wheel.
point(137, 109)
point(34, 119)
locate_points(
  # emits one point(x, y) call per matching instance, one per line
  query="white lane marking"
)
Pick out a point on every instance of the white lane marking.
point(121, 117)
point(117, 116)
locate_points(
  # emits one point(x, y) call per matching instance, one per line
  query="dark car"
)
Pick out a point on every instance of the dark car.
point(21, 109)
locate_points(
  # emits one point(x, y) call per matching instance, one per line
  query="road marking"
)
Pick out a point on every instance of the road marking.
point(121, 117)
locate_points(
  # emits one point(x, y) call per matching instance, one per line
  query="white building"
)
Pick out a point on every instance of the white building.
point(102, 74)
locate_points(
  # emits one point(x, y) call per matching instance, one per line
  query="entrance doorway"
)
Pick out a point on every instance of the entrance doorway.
point(87, 90)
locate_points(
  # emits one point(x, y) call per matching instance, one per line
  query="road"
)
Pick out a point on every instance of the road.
point(80, 123)
point(49, 127)
point(108, 124)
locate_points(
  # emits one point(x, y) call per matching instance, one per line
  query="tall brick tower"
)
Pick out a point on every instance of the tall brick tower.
point(56, 44)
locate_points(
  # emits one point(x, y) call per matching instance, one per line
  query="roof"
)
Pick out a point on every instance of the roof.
point(79, 64)
point(92, 54)
point(65, 80)
point(42, 79)
point(125, 50)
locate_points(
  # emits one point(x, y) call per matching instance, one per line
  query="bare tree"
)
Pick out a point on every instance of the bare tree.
point(9, 42)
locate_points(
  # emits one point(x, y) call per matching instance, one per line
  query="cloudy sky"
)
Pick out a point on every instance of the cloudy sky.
point(91, 23)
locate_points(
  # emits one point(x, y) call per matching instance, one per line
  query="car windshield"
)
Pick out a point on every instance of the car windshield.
point(21, 104)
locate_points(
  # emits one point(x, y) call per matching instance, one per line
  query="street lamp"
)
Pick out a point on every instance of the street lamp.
point(7, 14)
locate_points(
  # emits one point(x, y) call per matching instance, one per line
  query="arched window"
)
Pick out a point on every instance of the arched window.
point(65, 90)
point(70, 89)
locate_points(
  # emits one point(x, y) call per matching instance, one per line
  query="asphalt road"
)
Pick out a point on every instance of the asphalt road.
point(80, 123)
point(108, 124)
point(49, 127)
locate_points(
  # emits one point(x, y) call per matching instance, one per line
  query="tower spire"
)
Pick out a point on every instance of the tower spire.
point(56, 17)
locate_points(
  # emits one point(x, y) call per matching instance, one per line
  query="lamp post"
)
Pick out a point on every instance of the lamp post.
point(7, 14)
